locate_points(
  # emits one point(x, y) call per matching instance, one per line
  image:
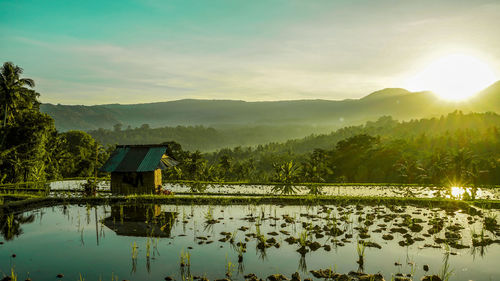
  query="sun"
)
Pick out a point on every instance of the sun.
point(454, 77)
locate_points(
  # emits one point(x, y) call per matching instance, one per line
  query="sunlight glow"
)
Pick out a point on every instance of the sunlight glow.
point(457, 192)
point(453, 77)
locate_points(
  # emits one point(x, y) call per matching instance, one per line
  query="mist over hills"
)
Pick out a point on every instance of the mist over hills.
point(398, 103)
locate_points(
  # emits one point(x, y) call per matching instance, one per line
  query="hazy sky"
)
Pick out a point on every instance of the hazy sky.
point(126, 51)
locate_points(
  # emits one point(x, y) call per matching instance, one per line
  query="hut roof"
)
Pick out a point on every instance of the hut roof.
point(138, 158)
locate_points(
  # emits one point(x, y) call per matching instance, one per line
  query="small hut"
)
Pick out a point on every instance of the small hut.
point(137, 168)
point(141, 221)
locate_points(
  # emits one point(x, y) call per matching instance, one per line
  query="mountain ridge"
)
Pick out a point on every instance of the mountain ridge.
point(397, 102)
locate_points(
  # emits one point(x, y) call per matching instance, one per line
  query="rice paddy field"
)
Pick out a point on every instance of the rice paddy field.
point(427, 234)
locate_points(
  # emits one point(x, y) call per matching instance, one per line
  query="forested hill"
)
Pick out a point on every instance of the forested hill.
point(456, 124)
point(453, 149)
point(399, 103)
point(291, 138)
point(205, 138)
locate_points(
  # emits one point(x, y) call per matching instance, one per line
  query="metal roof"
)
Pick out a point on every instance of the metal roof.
point(137, 158)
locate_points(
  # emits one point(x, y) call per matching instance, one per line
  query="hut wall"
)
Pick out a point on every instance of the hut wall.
point(157, 177)
point(133, 183)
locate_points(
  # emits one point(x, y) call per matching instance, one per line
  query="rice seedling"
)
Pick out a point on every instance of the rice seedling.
point(233, 237)
point(490, 221)
point(229, 268)
point(209, 215)
point(446, 272)
point(412, 268)
point(240, 249)
point(134, 256)
point(303, 238)
point(360, 248)
point(13, 275)
point(259, 235)
point(185, 259)
point(148, 247)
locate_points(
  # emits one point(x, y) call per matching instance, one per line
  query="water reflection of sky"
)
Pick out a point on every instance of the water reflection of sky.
point(73, 240)
point(378, 191)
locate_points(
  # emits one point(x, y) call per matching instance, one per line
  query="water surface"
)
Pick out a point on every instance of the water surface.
point(145, 242)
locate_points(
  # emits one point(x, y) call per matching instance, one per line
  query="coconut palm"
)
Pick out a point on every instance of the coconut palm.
point(15, 92)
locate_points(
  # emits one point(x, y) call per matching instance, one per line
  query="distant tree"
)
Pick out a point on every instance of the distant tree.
point(117, 127)
point(351, 154)
point(174, 150)
point(81, 157)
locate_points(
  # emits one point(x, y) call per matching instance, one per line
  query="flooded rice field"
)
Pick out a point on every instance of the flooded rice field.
point(186, 242)
point(341, 190)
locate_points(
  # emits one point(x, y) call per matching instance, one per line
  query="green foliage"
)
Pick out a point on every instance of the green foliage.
point(26, 134)
point(286, 173)
point(30, 147)
point(80, 155)
point(459, 149)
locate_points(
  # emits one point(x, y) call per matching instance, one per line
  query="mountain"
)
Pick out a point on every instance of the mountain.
point(387, 93)
point(398, 103)
point(488, 99)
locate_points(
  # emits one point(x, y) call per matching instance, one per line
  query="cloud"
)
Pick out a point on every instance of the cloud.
point(329, 51)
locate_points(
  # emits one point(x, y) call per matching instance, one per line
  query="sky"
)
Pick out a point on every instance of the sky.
point(131, 51)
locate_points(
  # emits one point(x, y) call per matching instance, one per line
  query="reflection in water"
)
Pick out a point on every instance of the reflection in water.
point(457, 192)
point(302, 264)
point(472, 193)
point(339, 190)
point(53, 245)
point(140, 220)
point(10, 224)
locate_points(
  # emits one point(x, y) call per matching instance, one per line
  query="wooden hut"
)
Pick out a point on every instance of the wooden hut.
point(137, 168)
point(143, 221)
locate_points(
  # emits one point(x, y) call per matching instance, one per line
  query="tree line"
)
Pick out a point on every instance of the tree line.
point(31, 149)
point(454, 149)
point(205, 138)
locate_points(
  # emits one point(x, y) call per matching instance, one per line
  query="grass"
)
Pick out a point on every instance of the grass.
point(303, 238)
point(209, 215)
point(360, 248)
point(134, 250)
point(134, 256)
point(229, 268)
point(13, 275)
point(490, 221)
point(185, 259)
point(260, 237)
point(148, 247)
point(446, 272)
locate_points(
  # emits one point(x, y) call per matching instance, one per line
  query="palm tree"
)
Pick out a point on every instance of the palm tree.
point(15, 92)
point(286, 174)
